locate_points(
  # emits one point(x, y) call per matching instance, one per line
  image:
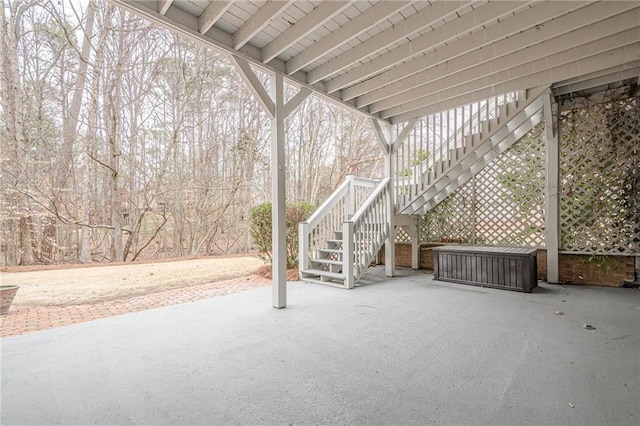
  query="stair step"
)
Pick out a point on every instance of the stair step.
point(338, 242)
point(326, 261)
point(327, 274)
point(329, 250)
point(329, 283)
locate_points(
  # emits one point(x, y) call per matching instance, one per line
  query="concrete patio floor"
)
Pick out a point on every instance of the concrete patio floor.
point(398, 351)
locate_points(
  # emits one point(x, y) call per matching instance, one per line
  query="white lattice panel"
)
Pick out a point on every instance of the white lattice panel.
point(510, 195)
point(402, 236)
point(452, 220)
point(502, 205)
point(600, 177)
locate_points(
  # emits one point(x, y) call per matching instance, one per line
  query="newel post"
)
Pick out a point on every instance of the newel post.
point(348, 255)
point(303, 247)
point(351, 198)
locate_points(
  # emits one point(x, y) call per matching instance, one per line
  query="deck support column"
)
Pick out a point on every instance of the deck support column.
point(552, 233)
point(390, 243)
point(278, 196)
point(414, 232)
point(389, 146)
point(275, 108)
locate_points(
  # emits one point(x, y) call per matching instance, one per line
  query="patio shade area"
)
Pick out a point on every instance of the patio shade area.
point(407, 350)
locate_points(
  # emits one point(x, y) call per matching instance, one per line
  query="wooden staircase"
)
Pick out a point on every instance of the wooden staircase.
point(344, 235)
point(475, 151)
point(327, 266)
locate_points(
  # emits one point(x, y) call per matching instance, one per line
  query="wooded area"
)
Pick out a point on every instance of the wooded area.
point(122, 141)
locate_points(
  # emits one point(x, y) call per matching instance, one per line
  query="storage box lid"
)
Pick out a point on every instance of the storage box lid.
point(521, 251)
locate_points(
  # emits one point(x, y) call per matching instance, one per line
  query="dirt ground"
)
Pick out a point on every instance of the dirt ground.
point(65, 286)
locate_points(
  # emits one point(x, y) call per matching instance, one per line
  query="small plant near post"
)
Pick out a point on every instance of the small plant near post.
point(260, 220)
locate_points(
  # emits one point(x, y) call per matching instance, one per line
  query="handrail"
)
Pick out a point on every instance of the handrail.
point(330, 216)
point(370, 183)
point(335, 197)
point(366, 205)
point(439, 141)
point(325, 207)
point(459, 134)
point(365, 232)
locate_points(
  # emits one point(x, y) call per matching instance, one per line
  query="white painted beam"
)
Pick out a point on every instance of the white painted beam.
point(296, 100)
point(187, 25)
point(278, 205)
point(603, 78)
point(255, 86)
point(442, 89)
point(390, 242)
point(506, 55)
point(357, 26)
point(211, 14)
point(415, 72)
point(545, 76)
point(414, 23)
point(163, 6)
point(258, 21)
point(310, 22)
point(483, 15)
point(381, 136)
point(552, 216)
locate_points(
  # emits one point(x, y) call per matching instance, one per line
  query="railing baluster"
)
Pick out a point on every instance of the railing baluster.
point(415, 162)
point(432, 127)
point(424, 163)
point(447, 152)
point(479, 119)
point(463, 145)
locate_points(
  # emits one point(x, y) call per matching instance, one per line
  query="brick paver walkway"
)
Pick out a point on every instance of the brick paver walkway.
point(26, 319)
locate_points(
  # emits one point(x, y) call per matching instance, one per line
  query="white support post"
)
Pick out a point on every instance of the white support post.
point(552, 234)
point(348, 257)
point(389, 146)
point(303, 247)
point(390, 243)
point(351, 198)
point(279, 224)
point(274, 106)
point(414, 233)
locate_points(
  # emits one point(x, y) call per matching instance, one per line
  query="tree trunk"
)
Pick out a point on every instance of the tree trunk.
point(70, 128)
point(16, 219)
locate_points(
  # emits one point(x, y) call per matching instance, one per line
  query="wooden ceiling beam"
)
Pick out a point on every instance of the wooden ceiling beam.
point(361, 23)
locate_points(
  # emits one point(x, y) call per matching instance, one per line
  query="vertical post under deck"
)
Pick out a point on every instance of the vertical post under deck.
point(390, 243)
point(348, 254)
point(279, 225)
point(552, 235)
point(274, 107)
point(414, 232)
point(303, 247)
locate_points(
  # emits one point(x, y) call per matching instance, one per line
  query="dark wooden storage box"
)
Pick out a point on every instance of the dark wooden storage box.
point(509, 268)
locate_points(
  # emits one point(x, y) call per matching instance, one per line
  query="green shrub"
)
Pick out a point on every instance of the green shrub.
point(260, 229)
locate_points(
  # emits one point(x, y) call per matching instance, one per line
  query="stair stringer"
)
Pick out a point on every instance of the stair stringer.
point(518, 124)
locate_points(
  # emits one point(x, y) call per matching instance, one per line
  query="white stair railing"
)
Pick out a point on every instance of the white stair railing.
point(329, 217)
point(365, 233)
point(439, 140)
